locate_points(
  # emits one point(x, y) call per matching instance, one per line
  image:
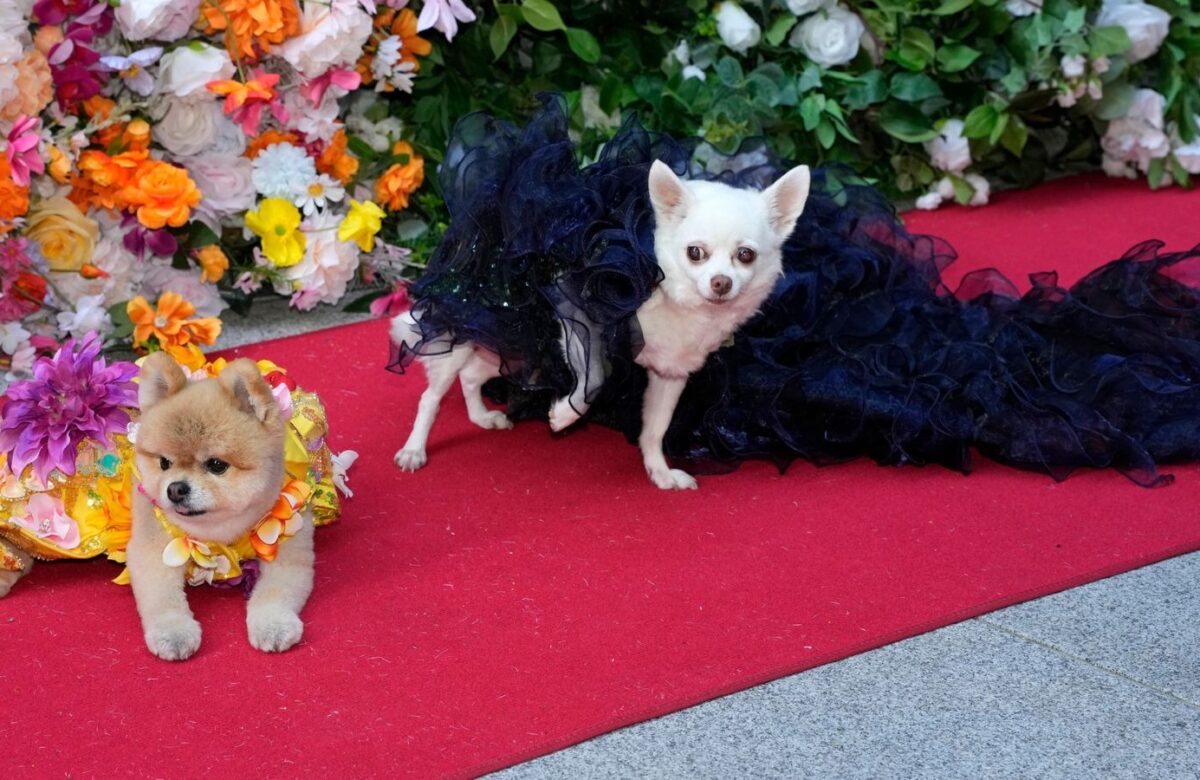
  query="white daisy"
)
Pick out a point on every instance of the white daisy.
point(322, 191)
point(283, 171)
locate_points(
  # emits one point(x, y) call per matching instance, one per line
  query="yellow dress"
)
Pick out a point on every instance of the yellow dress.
point(88, 513)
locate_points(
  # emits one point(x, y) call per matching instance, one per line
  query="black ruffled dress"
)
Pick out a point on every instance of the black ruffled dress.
point(860, 350)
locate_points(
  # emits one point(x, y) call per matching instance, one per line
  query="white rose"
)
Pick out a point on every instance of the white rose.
point(1138, 137)
point(737, 30)
point(161, 20)
point(331, 35)
point(829, 37)
point(1146, 25)
point(185, 71)
point(1188, 155)
point(949, 150)
point(1022, 7)
point(186, 128)
point(801, 7)
point(224, 180)
point(929, 201)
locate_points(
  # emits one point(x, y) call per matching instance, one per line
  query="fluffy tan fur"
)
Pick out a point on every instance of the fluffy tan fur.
point(222, 439)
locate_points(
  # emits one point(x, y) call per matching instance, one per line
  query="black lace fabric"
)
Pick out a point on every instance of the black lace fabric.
point(861, 350)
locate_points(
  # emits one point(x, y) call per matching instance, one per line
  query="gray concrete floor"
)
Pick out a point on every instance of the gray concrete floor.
point(1098, 681)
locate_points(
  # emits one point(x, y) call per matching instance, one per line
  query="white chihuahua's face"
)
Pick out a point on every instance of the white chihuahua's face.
point(718, 245)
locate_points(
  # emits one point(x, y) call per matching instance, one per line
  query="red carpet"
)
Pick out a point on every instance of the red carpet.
point(524, 592)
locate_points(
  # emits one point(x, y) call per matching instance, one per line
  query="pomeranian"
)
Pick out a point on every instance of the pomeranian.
point(720, 252)
point(210, 455)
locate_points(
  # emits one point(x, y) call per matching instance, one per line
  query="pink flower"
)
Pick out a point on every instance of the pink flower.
point(444, 15)
point(391, 304)
point(22, 150)
point(49, 520)
point(346, 82)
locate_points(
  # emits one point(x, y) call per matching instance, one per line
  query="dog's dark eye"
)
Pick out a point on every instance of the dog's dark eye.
point(746, 255)
point(216, 466)
point(695, 254)
point(164, 464)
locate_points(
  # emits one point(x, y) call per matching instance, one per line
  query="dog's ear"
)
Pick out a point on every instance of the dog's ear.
point(667, 193)
point(786, 198)
point(161, 377)
point(251, 393)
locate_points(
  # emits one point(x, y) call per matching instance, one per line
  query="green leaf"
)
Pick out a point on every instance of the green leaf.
point(906, 122)
point(916, 49)
point(1015, 135)
point(501, 35)
point(980, 122)
point(542, 15)
point(1105, 41)
point(584, 44)
point(870, 89)
point(201, 235)
point(1074, 19)
point(963, 191)
point(810, 110)
point(1116, 101)
point(952, 7)
point(914, 87)
point(122, 325)
point(1015, 81)
point(998, 129)
point(779, 29)
point(826, 134)
point(729, 71)
point(1156, 172)
point(363, 303)
point(809, 79)
point(955, 57)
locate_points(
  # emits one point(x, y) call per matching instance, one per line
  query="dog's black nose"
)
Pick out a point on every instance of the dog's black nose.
point(178, 492)
point(721, 284)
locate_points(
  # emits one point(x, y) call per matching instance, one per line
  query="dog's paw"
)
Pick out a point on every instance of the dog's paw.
point(410, 460)
point(672, 479)
point(7, 580)
point(175, 638)
point(274, 630)
point(562, 415)
point(493, 421)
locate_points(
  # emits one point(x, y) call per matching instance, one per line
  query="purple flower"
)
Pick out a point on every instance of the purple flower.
point(132, 69)
point(73, 396)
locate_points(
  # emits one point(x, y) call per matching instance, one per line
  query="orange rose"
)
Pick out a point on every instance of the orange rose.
point(14, 200)
point(336, 161)
point(401, 180)
point(163, 194)
point(104, 180)
point(268, 137)
point(250, 22)
point(60, 165)
point(136, 136)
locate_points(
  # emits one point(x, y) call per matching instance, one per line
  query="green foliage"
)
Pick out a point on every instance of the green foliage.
point(921, 62)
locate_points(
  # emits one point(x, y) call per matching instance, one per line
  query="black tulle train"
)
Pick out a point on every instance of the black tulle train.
point(860, 350)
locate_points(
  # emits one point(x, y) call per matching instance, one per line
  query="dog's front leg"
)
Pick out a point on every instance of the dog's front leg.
point(170, 630)
point(273, 613)
point(658, 407)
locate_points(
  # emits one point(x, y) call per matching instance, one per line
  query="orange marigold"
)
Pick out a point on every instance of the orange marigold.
point(14, 200)
point(402, 179)
point(163, 194)
point(336, 161)
point(251, 22)
point(268, 137)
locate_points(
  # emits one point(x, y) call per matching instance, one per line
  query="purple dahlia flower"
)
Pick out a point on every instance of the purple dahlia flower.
point(73, 396)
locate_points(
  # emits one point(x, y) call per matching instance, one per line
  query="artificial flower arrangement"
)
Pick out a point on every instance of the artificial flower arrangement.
point(166, 159)
point(224, 149)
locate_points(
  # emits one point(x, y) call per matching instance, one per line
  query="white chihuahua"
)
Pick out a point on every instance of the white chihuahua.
point(720, 251)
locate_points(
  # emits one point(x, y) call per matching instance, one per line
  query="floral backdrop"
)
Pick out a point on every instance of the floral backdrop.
point(166, 160)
